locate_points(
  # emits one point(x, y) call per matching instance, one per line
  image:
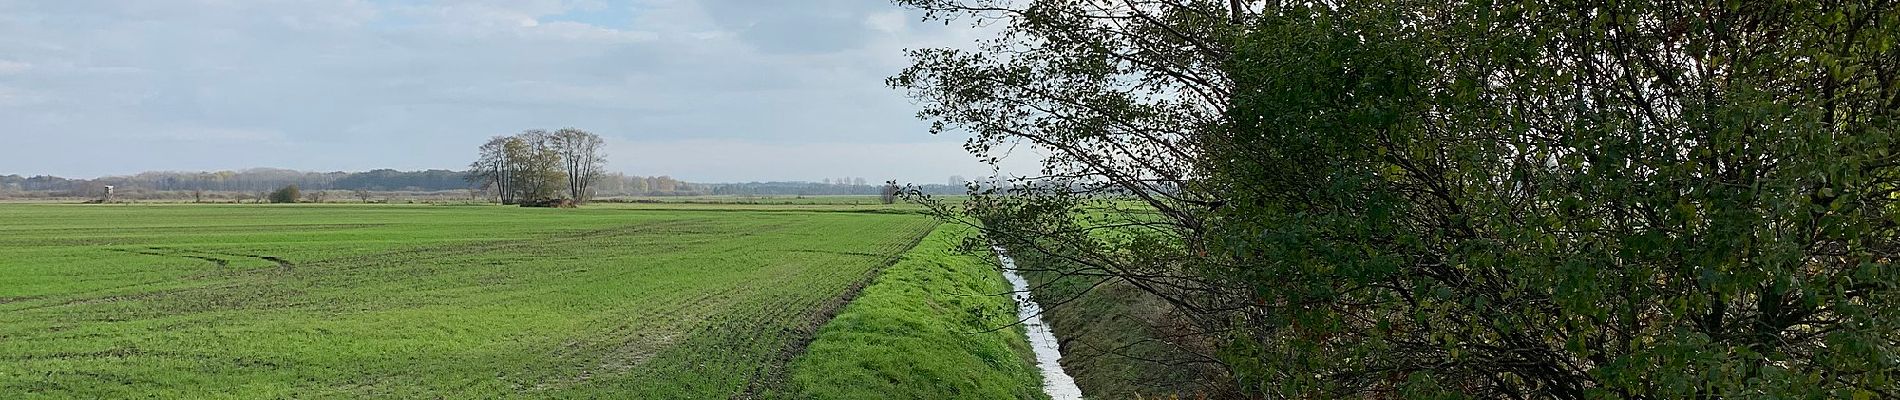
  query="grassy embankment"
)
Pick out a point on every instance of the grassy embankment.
point(926, 329)
point(1115, 338)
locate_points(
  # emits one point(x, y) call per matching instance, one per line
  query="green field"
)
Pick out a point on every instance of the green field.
point(754, 199)
point(344, 301)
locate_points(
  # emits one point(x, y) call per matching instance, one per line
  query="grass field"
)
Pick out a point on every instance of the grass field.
point(755, 199)
point(933, 326)
point(339, 301)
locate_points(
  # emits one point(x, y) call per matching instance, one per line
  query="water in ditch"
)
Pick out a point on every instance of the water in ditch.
point(1055, 381)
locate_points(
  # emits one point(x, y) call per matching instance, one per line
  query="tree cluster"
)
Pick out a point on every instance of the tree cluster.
point(250, 180)
point(1538, 199)
point(537, 165)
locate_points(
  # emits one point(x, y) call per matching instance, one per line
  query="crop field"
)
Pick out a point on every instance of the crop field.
point(755, 199)
point(347, 301)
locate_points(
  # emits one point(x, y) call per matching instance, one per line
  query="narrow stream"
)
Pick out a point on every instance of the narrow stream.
point(1056, 382)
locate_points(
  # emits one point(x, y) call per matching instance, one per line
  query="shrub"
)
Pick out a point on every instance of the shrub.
point(287, 194)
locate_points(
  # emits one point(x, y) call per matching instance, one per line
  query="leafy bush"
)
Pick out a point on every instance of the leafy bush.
point(287, 194)
point(1528, 199)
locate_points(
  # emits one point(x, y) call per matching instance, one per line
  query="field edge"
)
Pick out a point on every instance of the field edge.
point(938, 324)
point(772, 377)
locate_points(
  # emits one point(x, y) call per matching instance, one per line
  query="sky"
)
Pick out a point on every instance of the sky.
point(706, 91)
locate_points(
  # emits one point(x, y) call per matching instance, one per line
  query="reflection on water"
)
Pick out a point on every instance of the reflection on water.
point(1058, 383)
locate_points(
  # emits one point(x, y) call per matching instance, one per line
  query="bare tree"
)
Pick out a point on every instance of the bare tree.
point(890, 192)
point(537, 171)
point(495, 169)
point(363, 194)
point(540, 165)
point(581, 160)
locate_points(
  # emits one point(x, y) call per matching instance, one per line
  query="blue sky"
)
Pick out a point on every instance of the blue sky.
point(710, 90)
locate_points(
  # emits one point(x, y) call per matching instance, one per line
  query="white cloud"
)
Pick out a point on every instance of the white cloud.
point(10, 97)
point(203, 136)
point(887, 21)
point(584, 32)
point(14, 67)
point(725, 160)
point(366, 84)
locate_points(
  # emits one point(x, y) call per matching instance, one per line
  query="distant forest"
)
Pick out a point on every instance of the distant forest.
point(389, 180)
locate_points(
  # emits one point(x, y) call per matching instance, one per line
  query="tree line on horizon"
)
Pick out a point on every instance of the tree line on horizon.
point(535, 164)
point(162, 184)
point(250, 182)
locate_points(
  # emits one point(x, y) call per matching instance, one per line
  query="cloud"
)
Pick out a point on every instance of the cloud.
point(350, 85)
point(14, 67)
point(202, 136)
point(721, 160)
point(890, 22)
point(10, 97)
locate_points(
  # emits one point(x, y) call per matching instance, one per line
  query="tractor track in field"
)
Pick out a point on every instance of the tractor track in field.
point(105, 299)
point(484, 246)
point(160, 251)
point(761, 323)
point(282, 263)
point(71, 301)
point(192, 228)
point(16, 299)
point(846, 253)
point(396, 257)
point(770, 376)
point(627, 346)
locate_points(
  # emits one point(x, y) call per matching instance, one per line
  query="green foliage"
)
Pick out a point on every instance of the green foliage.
point(397, 301)
point(1461, 199)
point(539, 175)
point(582, 163)
point(286, 194)
point(938, 324)
point(521, 168)
point(1616, 200)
